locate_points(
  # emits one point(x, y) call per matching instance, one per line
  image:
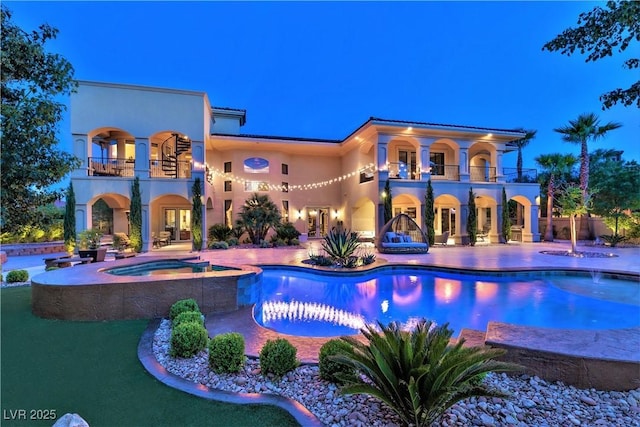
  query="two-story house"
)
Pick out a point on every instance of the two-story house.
point(168, 138)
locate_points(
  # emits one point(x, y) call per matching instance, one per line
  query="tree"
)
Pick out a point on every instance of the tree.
point(580, 131)
point(429, 213)
point(257, 215)
point(70, 220)
point(617, 184)
point(521, 143)
point(472, 219)
point(600, 32)
point(196, 215)
point(573, 203)
point(388, 209)
point(506, 222)
point(556, 168)
point(32, 82)
point(135, 216)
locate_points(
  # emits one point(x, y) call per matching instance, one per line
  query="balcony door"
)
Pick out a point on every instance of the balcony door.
point(409, 159)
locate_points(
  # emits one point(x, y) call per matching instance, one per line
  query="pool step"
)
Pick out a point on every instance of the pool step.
point(472, 337)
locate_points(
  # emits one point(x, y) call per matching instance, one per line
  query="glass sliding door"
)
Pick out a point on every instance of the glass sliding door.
point(178, 223)
point(170, 222)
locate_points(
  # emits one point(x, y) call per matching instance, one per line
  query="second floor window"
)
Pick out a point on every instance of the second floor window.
point(285, 187)
point(227, 186)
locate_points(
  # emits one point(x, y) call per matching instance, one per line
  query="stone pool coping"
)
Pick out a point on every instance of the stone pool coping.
point(148, 359)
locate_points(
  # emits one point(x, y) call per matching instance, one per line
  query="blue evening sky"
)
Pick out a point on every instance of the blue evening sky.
point(321, 69)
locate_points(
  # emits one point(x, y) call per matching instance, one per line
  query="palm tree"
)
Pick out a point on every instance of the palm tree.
point(257, 215)
point(586, 127)
point(556, 167)
point(521, 143)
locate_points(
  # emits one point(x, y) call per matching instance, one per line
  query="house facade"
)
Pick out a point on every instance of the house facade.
point(168, 138)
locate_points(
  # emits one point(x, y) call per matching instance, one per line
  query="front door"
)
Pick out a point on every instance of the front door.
point(317, 222)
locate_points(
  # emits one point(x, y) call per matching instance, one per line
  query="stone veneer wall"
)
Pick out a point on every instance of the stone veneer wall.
point(140, 300)
point(33, 248)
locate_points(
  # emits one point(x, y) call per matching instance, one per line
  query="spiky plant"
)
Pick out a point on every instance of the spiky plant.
point(417, 373)
point(340, 244)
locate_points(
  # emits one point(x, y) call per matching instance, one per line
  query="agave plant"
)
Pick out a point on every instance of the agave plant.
point(340, 244)
point(417, 373)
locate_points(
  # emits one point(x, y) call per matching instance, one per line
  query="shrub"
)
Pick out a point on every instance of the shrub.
point(51, 268)
point(219, 245)
point(331, 370)
point(369, 258)
point(340, 244)
point(278, 357)
point(264, 244)
point(320, 260)
point(237, 231)
point(188, 316)
point(183, 305)
point(226, 352)
point(16, 276)
point(219, 232)
point(286, 232)
point(294, 242)
point(187, 339)
point(232, 241)
point(417, 373)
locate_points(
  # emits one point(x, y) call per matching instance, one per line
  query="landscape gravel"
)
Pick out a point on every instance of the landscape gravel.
point(532, 401)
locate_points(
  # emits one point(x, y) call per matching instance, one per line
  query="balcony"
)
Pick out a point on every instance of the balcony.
point(110, 167)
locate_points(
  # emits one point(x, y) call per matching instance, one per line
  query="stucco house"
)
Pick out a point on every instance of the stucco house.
point(169, 137)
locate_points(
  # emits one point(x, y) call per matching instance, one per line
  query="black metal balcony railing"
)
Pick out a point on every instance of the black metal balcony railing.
point(445, 172)
point(176, 169)
point(400, 170)
point(482, 174)
point(526, 176)
point(110, 167)
point(98, 166)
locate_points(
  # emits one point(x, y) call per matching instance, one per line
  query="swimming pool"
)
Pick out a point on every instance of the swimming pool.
point(303, 303)
point(169, 267)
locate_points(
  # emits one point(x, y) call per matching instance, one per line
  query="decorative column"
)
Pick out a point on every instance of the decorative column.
point(382, 157)
point(464, 161)
point(425, 157)
point(82, 150)
point(142, 158)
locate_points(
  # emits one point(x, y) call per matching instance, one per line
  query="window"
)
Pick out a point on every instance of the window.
point(437, 163)
point(285, 210)
point(228, 210)
point(253, 186)
point(227, 167)
point(227, 186)
point(285, 169)
point(285, 187)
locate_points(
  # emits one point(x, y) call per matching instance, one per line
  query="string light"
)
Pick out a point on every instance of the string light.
point(213, 171)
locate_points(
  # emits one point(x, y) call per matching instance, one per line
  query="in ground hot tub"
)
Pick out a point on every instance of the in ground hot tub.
point(135, 289)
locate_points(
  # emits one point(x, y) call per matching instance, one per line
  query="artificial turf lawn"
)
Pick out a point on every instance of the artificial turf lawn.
point(92, 369)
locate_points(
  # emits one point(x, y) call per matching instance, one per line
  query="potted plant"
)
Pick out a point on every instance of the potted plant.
point(89, 245)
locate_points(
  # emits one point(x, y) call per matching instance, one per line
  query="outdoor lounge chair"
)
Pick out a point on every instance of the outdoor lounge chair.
point(442, 239)
point(402, 235)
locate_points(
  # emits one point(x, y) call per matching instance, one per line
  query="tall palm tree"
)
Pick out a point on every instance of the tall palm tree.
point(556, 167)
point(586, 127)
point(521, 143)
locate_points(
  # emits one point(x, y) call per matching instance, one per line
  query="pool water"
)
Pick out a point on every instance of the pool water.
point(308, 304)
point(168, 267)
